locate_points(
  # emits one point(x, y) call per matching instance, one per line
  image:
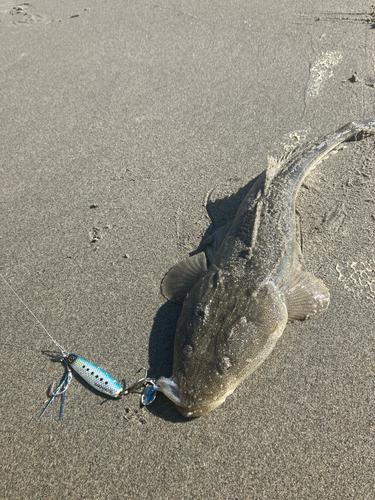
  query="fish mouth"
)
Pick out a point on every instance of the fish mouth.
point(169, 387)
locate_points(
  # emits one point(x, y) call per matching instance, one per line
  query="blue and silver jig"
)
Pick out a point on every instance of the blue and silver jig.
point(98, 378)
point(95, 376)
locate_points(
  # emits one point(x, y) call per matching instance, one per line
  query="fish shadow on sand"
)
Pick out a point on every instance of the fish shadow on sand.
point(221, 211)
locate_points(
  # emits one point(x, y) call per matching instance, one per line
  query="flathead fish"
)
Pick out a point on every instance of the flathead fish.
point(239, 293)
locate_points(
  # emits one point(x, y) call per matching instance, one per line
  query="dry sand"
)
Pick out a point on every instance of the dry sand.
point(117, 119)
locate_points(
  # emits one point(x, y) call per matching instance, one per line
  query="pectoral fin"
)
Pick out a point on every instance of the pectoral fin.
point(181, 278)
point(305, 295)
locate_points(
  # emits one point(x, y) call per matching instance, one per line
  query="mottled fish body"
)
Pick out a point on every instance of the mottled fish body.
point(241, 291)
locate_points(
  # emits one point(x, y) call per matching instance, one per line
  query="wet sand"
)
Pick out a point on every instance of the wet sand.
point(117, 119)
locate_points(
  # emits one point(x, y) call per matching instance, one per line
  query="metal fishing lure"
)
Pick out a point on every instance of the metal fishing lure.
point(98, 378)
point(95, 376)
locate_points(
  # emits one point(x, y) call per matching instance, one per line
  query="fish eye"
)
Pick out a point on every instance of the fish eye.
point(71, 358)
point(224, 365)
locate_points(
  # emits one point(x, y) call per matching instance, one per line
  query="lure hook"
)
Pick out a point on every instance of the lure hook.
point(137, 384)
point(149, 392)
point(92, 374)
point(60, 391)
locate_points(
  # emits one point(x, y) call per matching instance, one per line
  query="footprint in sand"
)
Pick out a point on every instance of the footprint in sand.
point(25, 14)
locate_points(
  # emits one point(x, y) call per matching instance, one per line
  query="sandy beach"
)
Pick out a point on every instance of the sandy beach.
point(126, 128)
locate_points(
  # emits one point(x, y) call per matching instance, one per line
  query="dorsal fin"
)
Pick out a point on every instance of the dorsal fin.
point(273, 168)
point(257, 217)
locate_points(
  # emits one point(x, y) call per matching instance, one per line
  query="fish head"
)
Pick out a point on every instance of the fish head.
point(224, 330)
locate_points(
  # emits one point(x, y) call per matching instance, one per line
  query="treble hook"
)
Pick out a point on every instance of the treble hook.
point(60, 391)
